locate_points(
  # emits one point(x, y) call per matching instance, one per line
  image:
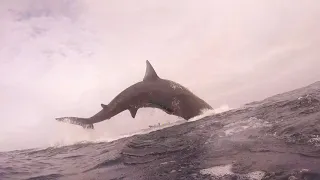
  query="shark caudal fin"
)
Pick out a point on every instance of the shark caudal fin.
point(78, 121)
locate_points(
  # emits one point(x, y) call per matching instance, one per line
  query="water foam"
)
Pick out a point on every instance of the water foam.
point(142, 131)
point(225, 170)
point(70, 134)
point(210, 112)
point(315, 140)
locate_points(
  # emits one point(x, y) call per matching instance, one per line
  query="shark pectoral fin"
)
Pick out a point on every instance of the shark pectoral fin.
point(104, 106)
point(133, 112)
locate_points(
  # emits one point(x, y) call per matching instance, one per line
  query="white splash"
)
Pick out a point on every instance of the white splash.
point(143, 131)
point(218, 170)
point(204, 113)
point(70, 134)
point(222, 109)
point(224, 170)
point(315, 140)
point(210, 112)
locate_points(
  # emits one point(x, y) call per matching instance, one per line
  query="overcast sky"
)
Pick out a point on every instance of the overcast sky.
point(65, 57)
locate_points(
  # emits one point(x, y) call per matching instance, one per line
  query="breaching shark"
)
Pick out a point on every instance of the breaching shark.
point(152, 91)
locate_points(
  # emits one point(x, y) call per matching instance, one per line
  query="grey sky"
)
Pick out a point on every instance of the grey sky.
point(65, 57)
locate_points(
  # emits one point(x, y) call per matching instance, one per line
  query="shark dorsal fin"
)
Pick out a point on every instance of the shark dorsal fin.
point(150, 73)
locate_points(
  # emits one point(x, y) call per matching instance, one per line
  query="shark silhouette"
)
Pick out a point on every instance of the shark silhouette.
point(154, 92)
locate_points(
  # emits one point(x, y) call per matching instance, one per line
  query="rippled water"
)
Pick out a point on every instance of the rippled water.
point(277, 138)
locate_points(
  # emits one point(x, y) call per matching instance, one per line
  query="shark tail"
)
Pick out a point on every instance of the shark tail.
point(84, 122)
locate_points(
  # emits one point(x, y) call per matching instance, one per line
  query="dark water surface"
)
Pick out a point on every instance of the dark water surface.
point(277, 138)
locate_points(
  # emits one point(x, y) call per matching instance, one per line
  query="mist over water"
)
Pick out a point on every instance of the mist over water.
point(66, 57)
